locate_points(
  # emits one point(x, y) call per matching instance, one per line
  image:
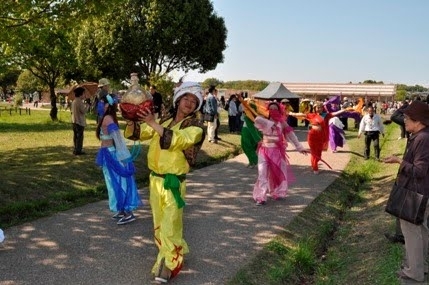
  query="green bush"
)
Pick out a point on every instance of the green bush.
point(17, 100)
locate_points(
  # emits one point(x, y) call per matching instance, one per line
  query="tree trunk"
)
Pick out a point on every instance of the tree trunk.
point(54, 109)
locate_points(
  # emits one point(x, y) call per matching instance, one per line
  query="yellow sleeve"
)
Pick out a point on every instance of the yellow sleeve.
point(146, 132)
point(181, 139)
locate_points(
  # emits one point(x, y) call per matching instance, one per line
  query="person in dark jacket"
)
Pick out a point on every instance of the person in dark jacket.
point(157, 101)
point(414, 174)
point(343, 118)
point(398, 118)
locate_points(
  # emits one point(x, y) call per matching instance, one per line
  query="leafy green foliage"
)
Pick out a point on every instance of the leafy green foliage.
point(18, 99)
point(256, 85)
point(15, 14)
point(408, 92)
point(211, 82)
point(37, 38)
point(369, 81)
point(164, 84)
point(415, 88)
point(8, 79)
point(28, 83)
point(401, 95)
point(152, 37)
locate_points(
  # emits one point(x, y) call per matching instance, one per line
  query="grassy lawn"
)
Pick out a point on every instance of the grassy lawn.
point(41, 176)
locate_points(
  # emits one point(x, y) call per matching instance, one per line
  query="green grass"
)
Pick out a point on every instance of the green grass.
point(41, 176)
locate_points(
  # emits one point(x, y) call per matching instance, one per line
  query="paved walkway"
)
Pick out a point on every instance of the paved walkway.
point(223, 228)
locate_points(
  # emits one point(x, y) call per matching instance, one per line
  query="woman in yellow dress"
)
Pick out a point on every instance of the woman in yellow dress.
point(175, 141)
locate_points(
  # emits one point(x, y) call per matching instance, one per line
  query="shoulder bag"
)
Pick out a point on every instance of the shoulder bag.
point(208, 117)
point(407, 204)
point(209, 113)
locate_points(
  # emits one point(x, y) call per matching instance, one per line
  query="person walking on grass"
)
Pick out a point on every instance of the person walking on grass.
point(372, 126)
point(79, 120)
point(116, 162)
point(174, 144)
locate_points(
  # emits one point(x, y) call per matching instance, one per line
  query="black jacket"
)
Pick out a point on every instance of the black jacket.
point(398, 116)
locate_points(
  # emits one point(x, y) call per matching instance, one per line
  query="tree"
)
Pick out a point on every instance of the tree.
point(256, 85)
point(8, 79)
point(28, 83)
point(23, 13)
point(404, 91)
point(152, 37)
point(35, 36)
point(372, 82)
point(211, 82)
point(47, 54)
point(401, 95)
point(164, 84)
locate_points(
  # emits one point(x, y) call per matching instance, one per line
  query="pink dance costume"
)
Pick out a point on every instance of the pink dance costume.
point(274, 174)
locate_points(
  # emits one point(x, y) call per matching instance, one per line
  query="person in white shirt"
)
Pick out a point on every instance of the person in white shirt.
point(36, 99)
point(232, 114)
point(372, 126)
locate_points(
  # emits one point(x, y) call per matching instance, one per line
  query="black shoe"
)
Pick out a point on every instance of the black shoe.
point(80, 153)
point(217, 138)
point(395, 238)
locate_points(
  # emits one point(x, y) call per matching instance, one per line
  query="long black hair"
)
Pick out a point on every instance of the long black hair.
point(111, 111)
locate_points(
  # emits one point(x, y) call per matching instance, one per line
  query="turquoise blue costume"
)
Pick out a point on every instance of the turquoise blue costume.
point(118, 169)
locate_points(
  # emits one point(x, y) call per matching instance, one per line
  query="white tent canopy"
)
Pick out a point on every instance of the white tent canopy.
point(275, 90)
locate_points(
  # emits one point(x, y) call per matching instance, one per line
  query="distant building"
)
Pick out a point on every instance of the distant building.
point(320, 91)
